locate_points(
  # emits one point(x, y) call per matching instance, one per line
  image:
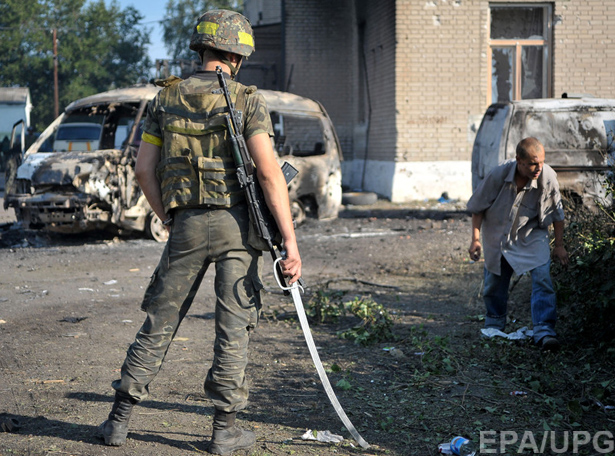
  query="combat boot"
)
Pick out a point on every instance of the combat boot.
point(115, 428)
point(227, 437)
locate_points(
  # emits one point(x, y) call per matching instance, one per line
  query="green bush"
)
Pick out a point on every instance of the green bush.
point(325, 307)
point(375, 322)
point(586, 289)
point(375, 325)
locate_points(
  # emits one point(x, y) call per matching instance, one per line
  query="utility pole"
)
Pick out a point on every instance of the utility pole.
point(56, 97)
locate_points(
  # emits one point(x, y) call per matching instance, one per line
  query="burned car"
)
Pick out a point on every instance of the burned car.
point(79, 174)
point(577, 134)
point(306, 139)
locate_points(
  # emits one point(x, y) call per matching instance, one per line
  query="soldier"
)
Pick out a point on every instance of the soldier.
point(186, 171)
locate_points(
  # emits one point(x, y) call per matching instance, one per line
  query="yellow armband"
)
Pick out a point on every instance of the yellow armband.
point(155, 140)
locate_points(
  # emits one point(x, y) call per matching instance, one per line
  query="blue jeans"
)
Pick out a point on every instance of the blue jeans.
point(543, 302)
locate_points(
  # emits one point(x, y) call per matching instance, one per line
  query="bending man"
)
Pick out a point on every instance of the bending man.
point(515, 204)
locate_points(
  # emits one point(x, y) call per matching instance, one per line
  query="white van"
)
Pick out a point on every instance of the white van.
point(578, 136)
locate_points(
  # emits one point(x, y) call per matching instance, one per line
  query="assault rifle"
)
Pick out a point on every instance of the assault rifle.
point(260, 216)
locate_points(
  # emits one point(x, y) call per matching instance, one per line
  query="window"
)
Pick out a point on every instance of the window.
point(79, 132)
point(72, 137)
point(297, 135)
point(520, 51)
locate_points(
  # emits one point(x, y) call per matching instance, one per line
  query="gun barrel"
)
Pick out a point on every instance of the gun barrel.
point(229, 102)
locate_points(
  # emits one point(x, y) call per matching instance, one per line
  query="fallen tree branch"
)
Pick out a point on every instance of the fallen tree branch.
point(355, 280)
point(326, 283)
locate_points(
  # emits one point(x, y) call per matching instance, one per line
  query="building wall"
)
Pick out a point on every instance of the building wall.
point(442, 77)
point(321, 59)
point(375, 131)
point(9, 114)
point(15, 105)
point(584, 55)
point(381, 85)
point(264, 68)
point(439, 99)
point(427, 81)
point(438, 73)
point(263, 12)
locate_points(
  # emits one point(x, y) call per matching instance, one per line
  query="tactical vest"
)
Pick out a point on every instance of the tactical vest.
point(197, 166)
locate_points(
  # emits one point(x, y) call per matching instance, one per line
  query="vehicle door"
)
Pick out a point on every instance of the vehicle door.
point(490, 142)
point(14, 158)
point(128, 140)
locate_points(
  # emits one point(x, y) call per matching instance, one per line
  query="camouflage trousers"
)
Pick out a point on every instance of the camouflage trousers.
point(200, 237)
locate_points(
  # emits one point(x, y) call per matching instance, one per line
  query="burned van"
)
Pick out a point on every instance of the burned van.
point(577, 135)
point(79, 174)
point(305, 138)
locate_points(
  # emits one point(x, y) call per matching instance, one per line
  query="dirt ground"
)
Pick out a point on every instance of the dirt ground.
point(70, 308)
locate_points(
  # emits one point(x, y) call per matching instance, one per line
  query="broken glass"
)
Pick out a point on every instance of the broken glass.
point(502, 74)
point(532, 85)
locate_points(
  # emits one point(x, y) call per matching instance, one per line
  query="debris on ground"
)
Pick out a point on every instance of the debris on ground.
point(322, 436)
point(520, 334)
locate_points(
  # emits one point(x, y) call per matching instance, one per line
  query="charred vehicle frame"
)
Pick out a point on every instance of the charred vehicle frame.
point(577, 133)
point(88, 183)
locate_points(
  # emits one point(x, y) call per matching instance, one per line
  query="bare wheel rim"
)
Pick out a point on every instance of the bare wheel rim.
point(298, 212)
point(156, 230)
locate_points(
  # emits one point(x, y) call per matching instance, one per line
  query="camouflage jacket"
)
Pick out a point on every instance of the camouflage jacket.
point(187, 119)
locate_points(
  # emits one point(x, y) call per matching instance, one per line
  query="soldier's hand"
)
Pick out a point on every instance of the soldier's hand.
point(291, 264)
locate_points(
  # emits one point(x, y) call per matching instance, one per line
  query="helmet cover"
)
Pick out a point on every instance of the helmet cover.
point(223, 30)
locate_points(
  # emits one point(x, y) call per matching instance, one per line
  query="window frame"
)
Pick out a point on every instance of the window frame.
point(517, 46)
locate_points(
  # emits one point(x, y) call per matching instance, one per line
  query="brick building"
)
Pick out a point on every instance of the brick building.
point(406, 81)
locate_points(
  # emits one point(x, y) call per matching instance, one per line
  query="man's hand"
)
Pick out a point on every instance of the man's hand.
point(561, 255)
point(559, 251)
point(475, 247)
point(474, 250)
point(291, 265)
point(275, 191)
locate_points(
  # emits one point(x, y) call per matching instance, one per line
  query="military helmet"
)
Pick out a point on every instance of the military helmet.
point(223, 30)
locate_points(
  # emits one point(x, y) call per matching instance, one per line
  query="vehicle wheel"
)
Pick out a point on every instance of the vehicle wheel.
point(359, 198)
point(154, 229)
point(297, 210)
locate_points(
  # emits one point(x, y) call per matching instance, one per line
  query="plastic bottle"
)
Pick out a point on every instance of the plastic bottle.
point(463, 447)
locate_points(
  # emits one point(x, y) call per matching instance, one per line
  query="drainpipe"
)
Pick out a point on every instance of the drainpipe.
point(369, 117)
point(283, 40)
